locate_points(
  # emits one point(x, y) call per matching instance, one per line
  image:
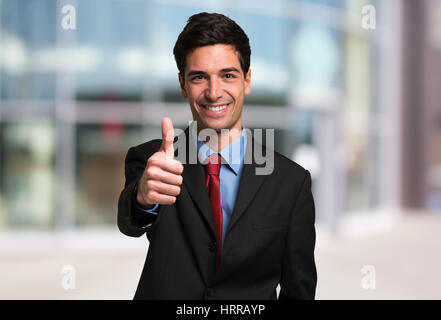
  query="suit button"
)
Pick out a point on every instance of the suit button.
point(212, 246)
point(210, 292)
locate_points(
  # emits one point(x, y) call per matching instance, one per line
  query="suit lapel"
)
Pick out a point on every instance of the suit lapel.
point(194, 179)
point(249, 183)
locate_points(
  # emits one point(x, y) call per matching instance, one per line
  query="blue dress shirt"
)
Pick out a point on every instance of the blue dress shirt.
point(229, 175)
point(230, 172)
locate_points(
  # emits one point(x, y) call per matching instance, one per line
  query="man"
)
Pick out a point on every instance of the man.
point(216, 228)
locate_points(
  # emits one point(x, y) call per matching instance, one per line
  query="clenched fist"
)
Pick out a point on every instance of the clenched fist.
point(161, 180)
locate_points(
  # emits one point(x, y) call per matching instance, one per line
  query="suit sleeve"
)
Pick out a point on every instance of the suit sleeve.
point(130, 221)
point(299, 275)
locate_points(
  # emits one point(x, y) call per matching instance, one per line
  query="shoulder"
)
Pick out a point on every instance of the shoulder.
point(283, 168)
point(284, 163)
point(148, 146)
point(144, 150)
point(288, 167)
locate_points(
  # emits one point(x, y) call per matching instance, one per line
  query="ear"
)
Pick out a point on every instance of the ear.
point(182, 84)
point(248, 82)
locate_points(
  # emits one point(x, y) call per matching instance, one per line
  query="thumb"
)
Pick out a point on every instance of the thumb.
point(168, 134)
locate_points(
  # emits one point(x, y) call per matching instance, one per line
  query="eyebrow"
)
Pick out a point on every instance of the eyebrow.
point(199, 72)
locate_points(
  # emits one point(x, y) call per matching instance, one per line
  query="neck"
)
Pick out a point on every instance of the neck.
point(220, 138)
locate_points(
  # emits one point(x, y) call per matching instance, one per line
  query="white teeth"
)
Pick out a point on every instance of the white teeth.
point(218, 108)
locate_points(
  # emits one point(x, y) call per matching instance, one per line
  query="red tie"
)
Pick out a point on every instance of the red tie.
point(213, 186)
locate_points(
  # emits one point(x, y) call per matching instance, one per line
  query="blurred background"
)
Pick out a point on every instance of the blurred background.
point(351, 87)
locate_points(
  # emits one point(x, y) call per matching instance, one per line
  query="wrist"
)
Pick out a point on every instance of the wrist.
point(141, 204)
point(139, 201)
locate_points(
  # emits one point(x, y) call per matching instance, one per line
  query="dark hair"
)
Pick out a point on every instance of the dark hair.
point(205, 29)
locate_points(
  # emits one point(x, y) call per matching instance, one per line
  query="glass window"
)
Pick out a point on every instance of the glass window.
point(27, 173)
point(101, 150)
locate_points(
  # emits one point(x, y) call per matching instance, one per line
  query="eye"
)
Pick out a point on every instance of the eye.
point(198, 77)
point(229, 76)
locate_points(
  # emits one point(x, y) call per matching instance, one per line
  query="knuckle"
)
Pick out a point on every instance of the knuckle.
point(178, 165)
point(155, 159)
point(151, 162)
point(150, 184)
point(152, 158)
point(151, 196)
point(154, 162)
point(179, 169)
point(148, 172)
point(152, 173)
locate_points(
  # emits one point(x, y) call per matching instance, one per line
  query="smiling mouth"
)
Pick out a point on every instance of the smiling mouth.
point(215, 107)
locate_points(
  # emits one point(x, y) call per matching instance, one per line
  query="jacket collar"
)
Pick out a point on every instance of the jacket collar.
point(194, 180)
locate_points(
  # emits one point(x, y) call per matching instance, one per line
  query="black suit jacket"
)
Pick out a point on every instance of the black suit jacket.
point(270, 238)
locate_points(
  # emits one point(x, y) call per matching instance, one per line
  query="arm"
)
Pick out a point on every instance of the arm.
point(130, 219)
point(151, 178)
point(142, 213)
point(299, 275)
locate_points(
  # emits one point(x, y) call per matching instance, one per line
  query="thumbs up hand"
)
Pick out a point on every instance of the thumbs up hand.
point(161, 180)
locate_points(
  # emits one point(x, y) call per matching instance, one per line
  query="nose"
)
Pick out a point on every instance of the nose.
point(214, 90)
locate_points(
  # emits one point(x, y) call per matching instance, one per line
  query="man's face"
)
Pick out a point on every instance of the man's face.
point(215, 87)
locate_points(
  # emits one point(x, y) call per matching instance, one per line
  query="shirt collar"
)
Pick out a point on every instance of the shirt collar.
point(233, 154)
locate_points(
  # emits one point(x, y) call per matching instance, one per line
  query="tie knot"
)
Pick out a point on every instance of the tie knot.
point(214, 164)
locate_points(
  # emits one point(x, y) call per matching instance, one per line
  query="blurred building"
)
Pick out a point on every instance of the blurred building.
point(353, 98)
point(421, 105)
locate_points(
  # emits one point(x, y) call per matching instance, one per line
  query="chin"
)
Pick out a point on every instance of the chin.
point(219, 125)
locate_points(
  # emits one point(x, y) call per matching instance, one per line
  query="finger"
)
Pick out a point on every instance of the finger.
point(169, 165)
point(168, 134)
point(156, 173)
point(158, 198)
point(163, 188)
